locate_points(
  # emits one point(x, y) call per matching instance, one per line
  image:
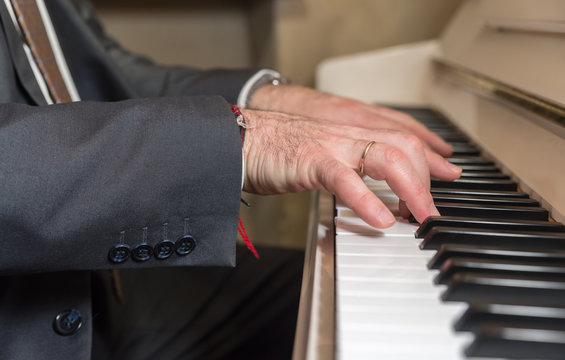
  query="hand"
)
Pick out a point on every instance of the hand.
point(308, 102)
point(289, 153)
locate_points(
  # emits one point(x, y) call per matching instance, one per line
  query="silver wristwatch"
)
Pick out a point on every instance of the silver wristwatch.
point(258, 80)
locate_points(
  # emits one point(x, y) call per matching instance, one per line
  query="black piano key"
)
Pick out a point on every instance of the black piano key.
point(422, 114)
point(534, 256)
point(492, 211)
point(474, 192)
point(509, 289)
point(435, 122)
point(463, 150)
point(448, 131)
point(439, 126)
point(484, 175)
point(445, 130)
point(517, 343)
point(478, 315)
point(501, 238)
point(479, 168)
point(485, 200)
point(451, 138)
point(470, 160)
point(499, 267)
point(479, 223)
point(479, 184)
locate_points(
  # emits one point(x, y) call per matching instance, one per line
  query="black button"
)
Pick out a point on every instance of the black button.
point(164, 249)
point(68, 322)
point(142, 252)
point(119, 253)
point(185, 244)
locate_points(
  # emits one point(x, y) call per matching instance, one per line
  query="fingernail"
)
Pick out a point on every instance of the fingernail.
point(434, 211)
point(453, 168)
point(386, 218)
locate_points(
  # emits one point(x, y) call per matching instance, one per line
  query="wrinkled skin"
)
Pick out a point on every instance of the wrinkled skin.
point(305, 139)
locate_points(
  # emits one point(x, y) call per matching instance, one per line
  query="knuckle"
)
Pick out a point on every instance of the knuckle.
point(404, 117)
point(330, 171)
point(393, 156)
point(412, 141)
point(421, 192)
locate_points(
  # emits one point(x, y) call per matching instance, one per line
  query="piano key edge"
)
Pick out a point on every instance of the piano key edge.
point(315, 329)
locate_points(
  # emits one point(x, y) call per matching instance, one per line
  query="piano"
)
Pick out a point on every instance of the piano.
point(487, 278)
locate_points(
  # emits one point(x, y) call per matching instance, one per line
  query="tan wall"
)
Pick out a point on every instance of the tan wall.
point(309, 31)
point(296, 36)
point(195, 36)
point(291, 35)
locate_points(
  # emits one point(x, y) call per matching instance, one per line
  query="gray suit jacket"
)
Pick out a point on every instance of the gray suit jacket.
point(80, 182)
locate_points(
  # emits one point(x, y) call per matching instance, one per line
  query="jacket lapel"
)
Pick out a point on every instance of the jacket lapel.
point(19, 58)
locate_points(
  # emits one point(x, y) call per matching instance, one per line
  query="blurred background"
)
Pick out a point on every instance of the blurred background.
point(292, 36)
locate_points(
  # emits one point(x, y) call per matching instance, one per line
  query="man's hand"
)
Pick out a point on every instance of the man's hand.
point(304, 101)
point(288, 153)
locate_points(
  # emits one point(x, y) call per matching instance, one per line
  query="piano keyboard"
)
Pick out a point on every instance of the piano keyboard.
point(487, 279)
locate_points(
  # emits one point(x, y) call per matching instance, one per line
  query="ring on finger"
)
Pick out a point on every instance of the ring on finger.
point(361, 170)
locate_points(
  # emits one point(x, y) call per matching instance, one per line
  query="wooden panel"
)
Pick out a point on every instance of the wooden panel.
point(529, 60)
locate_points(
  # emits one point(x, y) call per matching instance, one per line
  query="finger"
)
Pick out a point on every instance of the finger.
point(403, 209)
point(413, 148)
point(426, 161)
point(350, 188)
point(406, 143)
point(388, 163)
point(434, 141)
point(441, 168)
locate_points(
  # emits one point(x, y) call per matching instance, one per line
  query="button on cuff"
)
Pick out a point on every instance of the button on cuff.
point(68, 322)
point(164, 249)
point(119, 253)
point(185, 244)
point(142, 252)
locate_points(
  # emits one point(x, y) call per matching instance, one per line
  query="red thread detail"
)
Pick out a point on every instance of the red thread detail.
point(238, 113)
point(240, 227)
point(245, 238)
point(235, 109)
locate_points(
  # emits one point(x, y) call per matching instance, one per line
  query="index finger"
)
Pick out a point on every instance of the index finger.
point(346, 184)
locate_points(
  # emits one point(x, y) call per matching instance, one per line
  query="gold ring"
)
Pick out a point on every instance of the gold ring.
point(362, 160)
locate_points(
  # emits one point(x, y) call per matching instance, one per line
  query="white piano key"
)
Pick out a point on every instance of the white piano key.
point(384, 241)
point(379, 287)
point(375, 300)
point(391, 341)
point(414, 295)
point(453, 309)
point(422, 318)
point(378, 241)
point(387, 304)
point(401, 226)
point(356, 226)
point(379, 261)
point(389, 200)
point(398, 335)
point(384, 300)
point(370, 350)
point(424, 275)
point(408, 249)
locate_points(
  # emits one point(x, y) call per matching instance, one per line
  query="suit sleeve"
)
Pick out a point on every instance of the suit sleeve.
point(82, 179)
point(150, 80)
